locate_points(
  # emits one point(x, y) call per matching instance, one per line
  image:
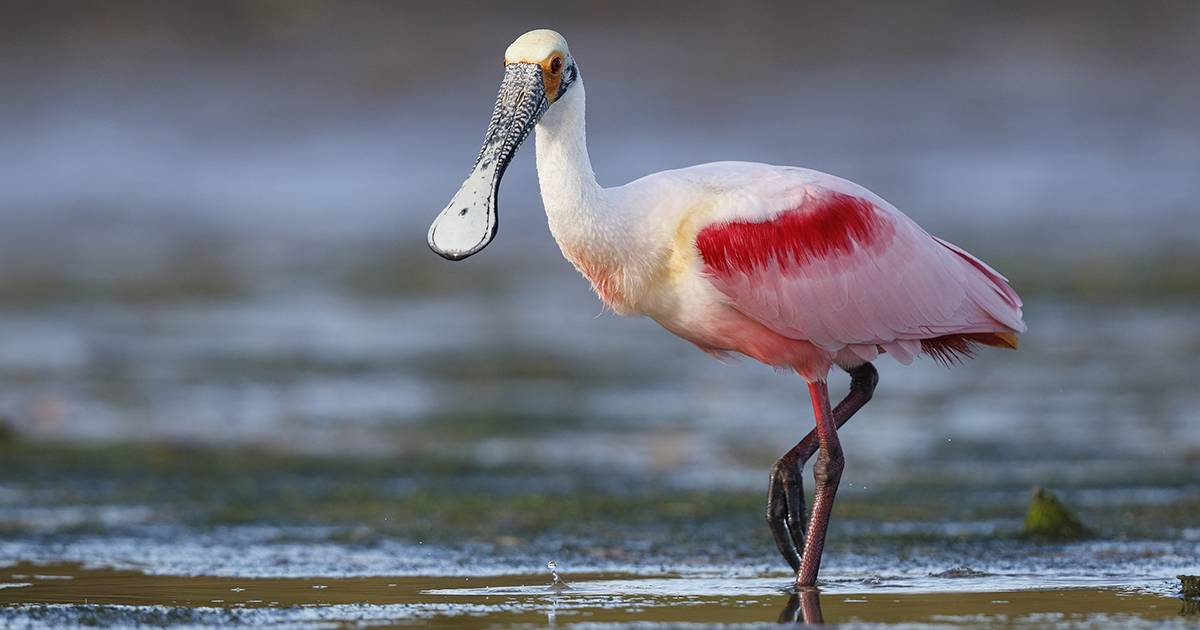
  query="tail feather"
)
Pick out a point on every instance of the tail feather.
point(951, 349)
point(993, 295)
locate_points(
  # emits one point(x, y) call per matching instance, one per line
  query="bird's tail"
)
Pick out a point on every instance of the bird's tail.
point(951, 349)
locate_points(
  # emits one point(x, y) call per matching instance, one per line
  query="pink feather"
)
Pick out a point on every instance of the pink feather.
point(843, 271)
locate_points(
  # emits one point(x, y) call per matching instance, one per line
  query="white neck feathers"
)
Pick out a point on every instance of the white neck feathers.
point(564, 169)
point(590, 229)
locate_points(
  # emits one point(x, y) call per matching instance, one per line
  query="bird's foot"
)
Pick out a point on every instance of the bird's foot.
point(785, 509)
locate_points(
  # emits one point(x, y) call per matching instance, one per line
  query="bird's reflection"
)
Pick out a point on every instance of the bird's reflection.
point(803, 607)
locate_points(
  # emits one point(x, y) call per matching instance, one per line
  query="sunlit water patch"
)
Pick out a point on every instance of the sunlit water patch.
point(114, 597)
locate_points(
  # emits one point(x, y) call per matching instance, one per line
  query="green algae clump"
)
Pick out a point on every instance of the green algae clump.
point(1191, 585)
point(1048, 519)
point(1191, 595)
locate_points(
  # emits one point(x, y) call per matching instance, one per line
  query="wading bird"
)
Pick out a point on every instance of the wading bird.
point(792, 267)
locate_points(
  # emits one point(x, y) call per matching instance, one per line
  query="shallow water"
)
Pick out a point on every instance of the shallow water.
point(167, 534)
point(458, 439)
point(67, 594)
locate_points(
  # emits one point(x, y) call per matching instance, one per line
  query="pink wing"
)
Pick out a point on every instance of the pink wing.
point(847, 271)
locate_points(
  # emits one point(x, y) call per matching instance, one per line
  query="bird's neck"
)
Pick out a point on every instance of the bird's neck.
point(564, 169)
point(591, 230)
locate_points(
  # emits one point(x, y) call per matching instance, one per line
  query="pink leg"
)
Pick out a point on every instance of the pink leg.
point(827, 471)
point(785, 497)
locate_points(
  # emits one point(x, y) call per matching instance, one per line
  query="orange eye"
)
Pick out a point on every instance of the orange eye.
point(556, 65)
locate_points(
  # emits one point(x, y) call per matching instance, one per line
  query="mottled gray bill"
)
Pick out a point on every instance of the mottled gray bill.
point(469, 222)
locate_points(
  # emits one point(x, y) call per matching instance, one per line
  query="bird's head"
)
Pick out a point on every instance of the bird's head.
point(538, 70)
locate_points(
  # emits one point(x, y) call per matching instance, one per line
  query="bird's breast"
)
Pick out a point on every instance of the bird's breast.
point(606, 277)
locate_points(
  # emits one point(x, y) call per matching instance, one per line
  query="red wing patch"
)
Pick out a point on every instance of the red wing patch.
point(826, 227)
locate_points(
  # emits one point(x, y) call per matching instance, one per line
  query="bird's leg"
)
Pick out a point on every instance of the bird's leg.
point(785, 497)
point(827, 472)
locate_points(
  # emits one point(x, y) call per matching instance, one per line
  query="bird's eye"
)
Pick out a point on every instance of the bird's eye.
point(556, 65)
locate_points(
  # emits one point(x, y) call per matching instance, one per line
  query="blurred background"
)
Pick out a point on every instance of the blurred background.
point(212, 225)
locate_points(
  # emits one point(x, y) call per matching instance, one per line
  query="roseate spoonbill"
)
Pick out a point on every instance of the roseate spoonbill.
point(792, 267)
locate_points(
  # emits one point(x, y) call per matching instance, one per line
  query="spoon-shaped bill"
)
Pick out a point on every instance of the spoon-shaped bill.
point(469, 222)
